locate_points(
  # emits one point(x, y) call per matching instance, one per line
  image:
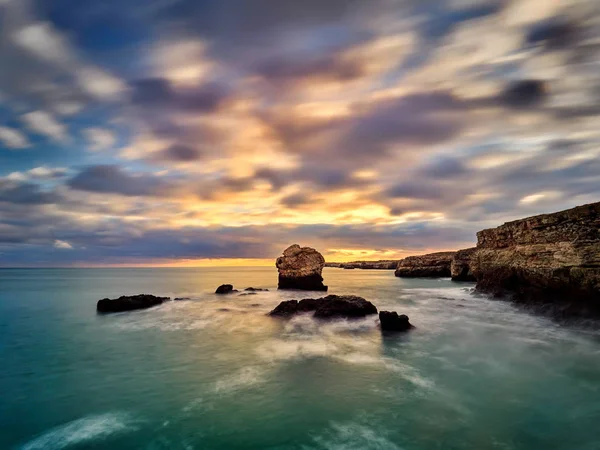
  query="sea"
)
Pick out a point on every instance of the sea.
point(215, 372)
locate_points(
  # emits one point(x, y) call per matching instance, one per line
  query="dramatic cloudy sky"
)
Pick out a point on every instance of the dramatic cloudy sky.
point(178, 131)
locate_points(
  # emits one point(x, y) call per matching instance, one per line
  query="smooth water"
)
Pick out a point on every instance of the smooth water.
point(215, 372)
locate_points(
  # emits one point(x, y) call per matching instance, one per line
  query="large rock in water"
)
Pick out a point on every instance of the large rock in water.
point(431, 265)
point(551, 260)
point(301, 268)
point(129, 303)
point(329, 307)
point(460, 268)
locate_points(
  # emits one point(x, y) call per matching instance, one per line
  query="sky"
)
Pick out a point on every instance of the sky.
point(182, 132)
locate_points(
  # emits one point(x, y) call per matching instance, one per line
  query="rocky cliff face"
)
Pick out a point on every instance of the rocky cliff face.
point(379, 265)
point(460, 268)
point(551, 260)
point(301, 268)
point(431, 265)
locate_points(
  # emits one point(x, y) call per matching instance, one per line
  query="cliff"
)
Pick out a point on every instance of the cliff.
point(431, 265)
point(460, 268)
point(551, 260)
point(379, 265)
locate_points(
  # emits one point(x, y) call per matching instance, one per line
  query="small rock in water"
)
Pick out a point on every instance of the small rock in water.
point(391, 321)
point(225, 289)
point(129, 303)
point(252, 289)
point(246, 293)
point(182, 298)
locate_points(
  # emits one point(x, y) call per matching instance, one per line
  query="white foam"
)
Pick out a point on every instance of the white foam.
point(278, 350)
point(82, 430)
point(354, 436)
point(248, 376)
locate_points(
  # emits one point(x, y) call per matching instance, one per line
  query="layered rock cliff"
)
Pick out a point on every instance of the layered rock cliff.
point(460, 268)
point(552, 260)
point(379, 265)
point(301, 268)
point(431, 265)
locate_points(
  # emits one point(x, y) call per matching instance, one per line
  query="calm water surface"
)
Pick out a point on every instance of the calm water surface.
point(215, 373)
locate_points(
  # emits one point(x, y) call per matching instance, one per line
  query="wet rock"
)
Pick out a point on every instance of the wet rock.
point(225, 289)
point(252, 289)
point(181, 298)
point(243, 294)
point(550, 262)
point(129, 303)
point(391, 321)
point(431, 265)
point(460, 268)
point(301, 268)
point(329, 307)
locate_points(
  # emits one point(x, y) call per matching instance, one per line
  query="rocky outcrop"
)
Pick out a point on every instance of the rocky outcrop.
point(550, 260)
point(460, 268)
point(391, 321)
point(301, 268)
point(129, 303)
point(431, 265)
point(376, 265)
point(329, 307)
point(225, 289)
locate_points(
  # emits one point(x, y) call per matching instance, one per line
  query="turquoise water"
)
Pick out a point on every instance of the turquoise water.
point(216, 373)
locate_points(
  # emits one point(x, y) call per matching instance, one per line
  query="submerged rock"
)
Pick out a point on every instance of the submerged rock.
point(551, 261)
point(460, 268)
point(225, 289)
point(301, 268)
point(431, 265)
point(129, 303)
point(391, 321)
point(329, 307)
point(253, 289)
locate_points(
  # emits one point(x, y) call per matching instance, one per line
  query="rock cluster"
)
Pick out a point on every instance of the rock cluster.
point(431, 265)
point(550, 259)
point(129, 303)
point(301, 268)
point(391, 321)
point(460, 268)
point(329, 307)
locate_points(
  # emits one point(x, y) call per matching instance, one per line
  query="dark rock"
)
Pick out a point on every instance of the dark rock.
point(225, 289)
point(329, 307)
point(391, 321)
point(301, 268)
point(182, 298)
point(550, 262)
point(460, 268)
point(129, 303)
point(243, 294)
point(430, 265)
point(285, 309)
point(252, 289)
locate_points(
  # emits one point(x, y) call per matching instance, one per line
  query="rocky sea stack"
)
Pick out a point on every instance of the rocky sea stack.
point(329, 307)
point(129, 303)
point(301, 268)
point(431, 265)
point(552, 260)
